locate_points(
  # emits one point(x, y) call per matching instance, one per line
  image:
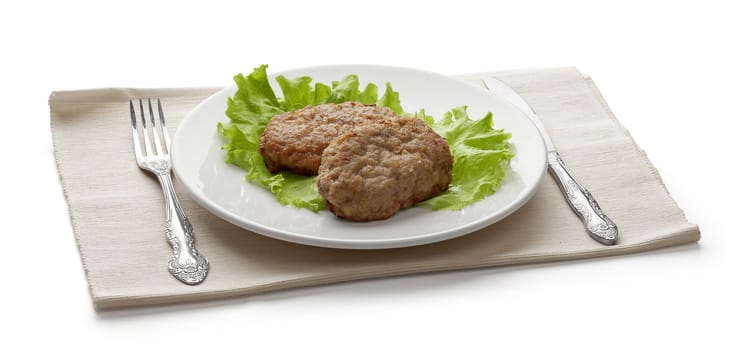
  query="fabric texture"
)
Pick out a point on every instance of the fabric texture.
point(117, 213)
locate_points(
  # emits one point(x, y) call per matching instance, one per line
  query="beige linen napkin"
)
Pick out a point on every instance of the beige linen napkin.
point(116, 209)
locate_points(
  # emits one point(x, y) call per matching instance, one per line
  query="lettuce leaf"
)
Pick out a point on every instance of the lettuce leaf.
point(481, 153)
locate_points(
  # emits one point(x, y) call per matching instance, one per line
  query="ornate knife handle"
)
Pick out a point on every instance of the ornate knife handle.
point(186, 264)
point(598, 225)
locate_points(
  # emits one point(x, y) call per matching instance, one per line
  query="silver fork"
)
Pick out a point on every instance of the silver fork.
point(186, 264)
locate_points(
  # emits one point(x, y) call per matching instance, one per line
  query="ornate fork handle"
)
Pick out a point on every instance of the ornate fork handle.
point(598, 225)
point(186, 264)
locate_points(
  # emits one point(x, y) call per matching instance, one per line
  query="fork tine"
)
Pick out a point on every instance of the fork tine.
point(167, 142)
point(146, 140)
point(136, 137)
point(157, 142)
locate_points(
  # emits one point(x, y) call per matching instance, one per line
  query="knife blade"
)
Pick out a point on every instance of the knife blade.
point(598, 225)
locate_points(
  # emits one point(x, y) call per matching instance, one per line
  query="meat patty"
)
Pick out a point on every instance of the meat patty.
point(296, 140)
point(374, 170)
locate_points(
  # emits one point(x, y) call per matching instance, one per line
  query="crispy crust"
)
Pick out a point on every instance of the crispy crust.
point(295, 140)
point(378, 168)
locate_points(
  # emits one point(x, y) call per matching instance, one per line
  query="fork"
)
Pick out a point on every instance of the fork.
point(186, 264)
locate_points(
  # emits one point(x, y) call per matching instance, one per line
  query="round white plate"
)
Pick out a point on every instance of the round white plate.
point(221, 188)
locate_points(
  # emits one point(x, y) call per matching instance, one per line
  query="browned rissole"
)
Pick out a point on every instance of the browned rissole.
point(377, 168)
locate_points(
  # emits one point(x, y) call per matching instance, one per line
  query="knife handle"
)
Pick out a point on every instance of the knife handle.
point(598, 225)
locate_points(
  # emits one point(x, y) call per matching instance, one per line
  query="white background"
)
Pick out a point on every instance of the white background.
point(675, 74)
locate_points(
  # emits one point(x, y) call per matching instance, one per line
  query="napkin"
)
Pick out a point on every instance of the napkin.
point(116, 209)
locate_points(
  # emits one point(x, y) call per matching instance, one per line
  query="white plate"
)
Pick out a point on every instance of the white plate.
point(221, 188)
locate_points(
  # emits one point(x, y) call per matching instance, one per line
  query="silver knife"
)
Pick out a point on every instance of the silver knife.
point(598, 225)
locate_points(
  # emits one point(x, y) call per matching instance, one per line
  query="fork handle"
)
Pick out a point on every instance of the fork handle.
point(599, 226)
point(186, 264)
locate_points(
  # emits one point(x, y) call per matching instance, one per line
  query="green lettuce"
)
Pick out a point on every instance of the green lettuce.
point(480, 157)
point(481, 153)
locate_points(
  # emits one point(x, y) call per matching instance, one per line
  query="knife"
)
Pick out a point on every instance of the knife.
point(598, 225)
